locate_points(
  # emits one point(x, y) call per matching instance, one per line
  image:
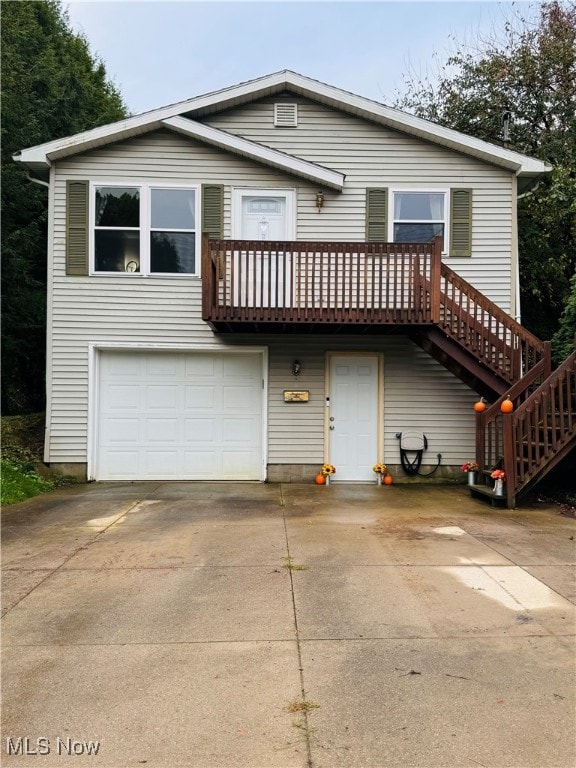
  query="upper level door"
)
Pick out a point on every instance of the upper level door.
point(264, 278)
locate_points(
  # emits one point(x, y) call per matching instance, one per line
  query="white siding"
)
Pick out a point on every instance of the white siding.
point(168, 310)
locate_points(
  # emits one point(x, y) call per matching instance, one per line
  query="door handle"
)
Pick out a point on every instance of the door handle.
point(331, 426)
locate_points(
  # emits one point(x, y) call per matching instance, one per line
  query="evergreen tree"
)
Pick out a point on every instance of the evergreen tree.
point(51, 87)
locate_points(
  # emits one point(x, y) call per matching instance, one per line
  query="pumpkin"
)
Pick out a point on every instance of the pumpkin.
point(320, 479)
point(388, 480)
point(507, 406)
point(480, 406)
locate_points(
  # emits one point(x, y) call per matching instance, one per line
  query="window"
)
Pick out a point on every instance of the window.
point(418, 217)
point(145, 229)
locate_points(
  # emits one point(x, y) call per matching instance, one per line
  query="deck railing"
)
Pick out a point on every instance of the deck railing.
point(320, 282)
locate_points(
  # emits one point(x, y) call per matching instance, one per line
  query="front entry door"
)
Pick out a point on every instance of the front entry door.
point(354, 416)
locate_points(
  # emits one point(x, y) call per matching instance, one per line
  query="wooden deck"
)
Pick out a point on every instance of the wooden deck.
point(328, 283)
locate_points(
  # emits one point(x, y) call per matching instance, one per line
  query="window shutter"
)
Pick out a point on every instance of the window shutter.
point(376, 215)
point(461, 222)
point(76, 227)
point(213, 210)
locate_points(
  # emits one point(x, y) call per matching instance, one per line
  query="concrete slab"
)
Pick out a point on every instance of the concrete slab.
point(184, 544)
point(158, 605)
point(505, 702)
point(408, 601)
point(17, 583)
point(429, 629)
point(153, 513)
point(214, 704)
point(321, 541)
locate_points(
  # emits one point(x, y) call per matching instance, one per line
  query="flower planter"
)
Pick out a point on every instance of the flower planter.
point(471, 478)
point(379, 479)
point(498, 487)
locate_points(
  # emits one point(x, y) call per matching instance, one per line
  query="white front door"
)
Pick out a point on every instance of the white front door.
point(354, 416)
point(263, 278)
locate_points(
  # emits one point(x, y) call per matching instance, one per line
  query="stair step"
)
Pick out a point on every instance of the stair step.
point(483, 491)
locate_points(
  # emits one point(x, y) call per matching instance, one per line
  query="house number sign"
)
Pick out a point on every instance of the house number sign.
point(299, 396)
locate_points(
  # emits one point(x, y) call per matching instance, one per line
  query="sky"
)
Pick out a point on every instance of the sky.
point(159, 53)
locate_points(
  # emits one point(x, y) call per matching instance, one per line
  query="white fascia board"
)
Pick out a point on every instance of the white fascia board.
point(305, 86)
point(254, 151)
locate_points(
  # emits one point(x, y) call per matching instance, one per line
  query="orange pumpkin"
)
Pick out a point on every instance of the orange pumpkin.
point(507, 406)
point(480, 406)
point(320, 479)
point(388, 480)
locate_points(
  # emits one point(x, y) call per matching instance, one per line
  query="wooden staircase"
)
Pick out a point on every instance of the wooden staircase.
point(499, 358)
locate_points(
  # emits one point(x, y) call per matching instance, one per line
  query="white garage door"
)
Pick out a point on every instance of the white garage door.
point(179, 416)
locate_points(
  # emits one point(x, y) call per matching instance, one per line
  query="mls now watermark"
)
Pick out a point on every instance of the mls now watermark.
point(24, 745)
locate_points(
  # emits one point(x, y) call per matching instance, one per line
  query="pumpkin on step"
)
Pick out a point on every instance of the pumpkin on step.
point(320, 479)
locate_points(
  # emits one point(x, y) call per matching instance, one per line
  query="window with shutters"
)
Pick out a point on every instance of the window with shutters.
point(419, 216)
point(145, 229)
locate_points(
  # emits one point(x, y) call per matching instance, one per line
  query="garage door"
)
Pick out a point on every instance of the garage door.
point(179, 416)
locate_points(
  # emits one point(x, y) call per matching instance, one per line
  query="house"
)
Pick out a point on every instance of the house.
point(252, 282)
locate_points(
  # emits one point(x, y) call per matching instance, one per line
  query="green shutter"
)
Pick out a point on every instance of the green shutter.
point(76, 227)
point(376, 215)
point(213, 210)
point(461, 222)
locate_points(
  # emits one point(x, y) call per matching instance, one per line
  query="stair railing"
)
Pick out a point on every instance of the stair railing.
point(485, 330)
point(541, 425)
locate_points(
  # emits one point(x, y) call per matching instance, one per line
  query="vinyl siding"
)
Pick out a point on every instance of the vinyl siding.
point(419, 395)
point(164, 311)
point(373, 156)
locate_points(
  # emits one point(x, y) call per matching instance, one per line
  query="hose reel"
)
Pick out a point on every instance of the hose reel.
point(412, 447)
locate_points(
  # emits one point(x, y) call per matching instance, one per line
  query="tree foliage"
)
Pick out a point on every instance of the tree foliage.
point(530, 72)
point(52, 87)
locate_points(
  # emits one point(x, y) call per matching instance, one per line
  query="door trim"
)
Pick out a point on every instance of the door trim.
point(95, 348)
point(380, 389)
point(288, 193)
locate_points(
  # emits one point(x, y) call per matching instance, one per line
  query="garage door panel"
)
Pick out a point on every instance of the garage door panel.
point(161, 463)
point(162, 366)
point(118, 465)
point(122, 430)
point(121, 397)
point(200, 397)
point(206, 464)
point(180, 416)
point(162, 397)
point(199, 431)
point(162, 431)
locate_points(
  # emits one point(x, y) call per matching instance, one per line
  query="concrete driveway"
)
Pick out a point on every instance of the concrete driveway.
point(229, 625)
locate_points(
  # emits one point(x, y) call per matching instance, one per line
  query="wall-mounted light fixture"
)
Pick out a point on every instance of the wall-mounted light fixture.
point(319, 200)
point(296, 368)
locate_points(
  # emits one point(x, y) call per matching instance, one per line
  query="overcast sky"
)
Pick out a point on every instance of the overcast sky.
point(158, 53)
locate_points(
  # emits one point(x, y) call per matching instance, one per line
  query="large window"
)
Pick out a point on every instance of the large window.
point(418, 217)
point(145, 229)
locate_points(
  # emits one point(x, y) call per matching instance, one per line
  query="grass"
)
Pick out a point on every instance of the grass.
point(290, 565)
point(20, 483)
point(22, 446)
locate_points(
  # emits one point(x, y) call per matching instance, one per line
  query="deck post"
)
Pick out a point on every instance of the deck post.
point(509, 451)
point(207, 275)
point(435, 271)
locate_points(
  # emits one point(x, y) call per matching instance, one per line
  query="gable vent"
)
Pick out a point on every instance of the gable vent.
point(285, 115)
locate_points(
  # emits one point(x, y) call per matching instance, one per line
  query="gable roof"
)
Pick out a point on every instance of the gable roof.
point(40, 157)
